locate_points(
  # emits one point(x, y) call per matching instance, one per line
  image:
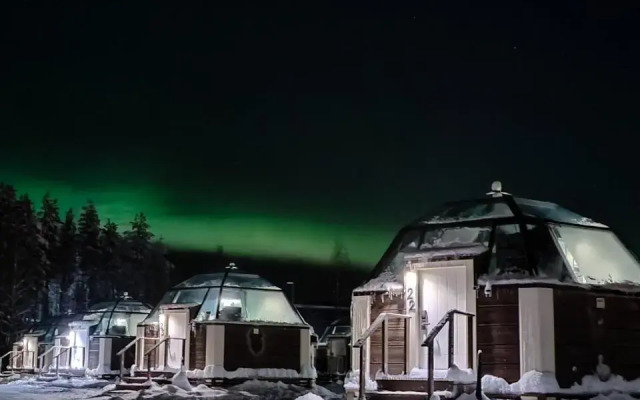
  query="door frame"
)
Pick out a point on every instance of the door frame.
point(414, 267)
point(186, 311)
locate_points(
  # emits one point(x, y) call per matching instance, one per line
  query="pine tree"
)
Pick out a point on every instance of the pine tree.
point(89, 251)
point(50, 224)
point(22, 256)
point(111, 245)
point(138, 241)
point(67, 257)
point(340, 260)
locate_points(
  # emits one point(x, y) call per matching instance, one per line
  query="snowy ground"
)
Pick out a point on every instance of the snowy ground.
point(88, 388)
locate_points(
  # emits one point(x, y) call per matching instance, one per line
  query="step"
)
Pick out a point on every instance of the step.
point(143, 373)
point(132, 386)
point(417, 385)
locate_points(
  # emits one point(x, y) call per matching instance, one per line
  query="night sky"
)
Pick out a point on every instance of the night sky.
point(276, 129)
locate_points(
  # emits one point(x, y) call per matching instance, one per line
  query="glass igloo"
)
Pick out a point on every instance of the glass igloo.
point(516, 237)
point(236, 297)
point(118, 317)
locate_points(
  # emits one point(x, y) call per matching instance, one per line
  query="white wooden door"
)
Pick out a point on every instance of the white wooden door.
point(444, 289)
point(177, 326)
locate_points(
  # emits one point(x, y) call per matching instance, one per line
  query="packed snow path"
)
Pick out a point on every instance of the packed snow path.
point(88, 388)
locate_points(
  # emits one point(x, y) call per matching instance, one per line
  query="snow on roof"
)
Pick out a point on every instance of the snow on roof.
point(385, 282)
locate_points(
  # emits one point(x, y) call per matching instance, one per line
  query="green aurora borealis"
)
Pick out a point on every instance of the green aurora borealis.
point(239, 229)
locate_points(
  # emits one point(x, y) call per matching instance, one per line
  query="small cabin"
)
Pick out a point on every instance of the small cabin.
point(533, 285)
point(226, 326)
point(332, 352)
point(35, 349)
point(93, 339)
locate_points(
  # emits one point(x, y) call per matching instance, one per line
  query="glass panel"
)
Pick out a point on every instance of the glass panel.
point(209, 306)
point(597, 256)
point(233, 280)
point(508, 253)
point(456, 237)
point(119, 324)
point(467, 211)
point(270, 306)
point(546, 257)
point(248, 281)
point(342, 330)
point(231, 305)
point(187, 296)
point(410, 240)
point(553, 212)
point(202, 280)
point(101, 306)
point(166, 299)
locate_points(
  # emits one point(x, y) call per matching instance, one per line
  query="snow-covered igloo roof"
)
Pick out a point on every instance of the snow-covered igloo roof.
point(512, 237)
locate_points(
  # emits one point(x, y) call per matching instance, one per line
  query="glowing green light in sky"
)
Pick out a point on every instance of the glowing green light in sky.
point(239, 229)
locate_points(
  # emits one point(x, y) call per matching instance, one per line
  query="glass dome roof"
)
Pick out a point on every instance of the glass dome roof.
point(125, 306)
point(233, 279)
point(231, 296)
point(505, 206)
point(516, 237)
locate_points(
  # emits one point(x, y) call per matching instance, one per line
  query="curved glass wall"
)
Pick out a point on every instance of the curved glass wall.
point(242, 298)
point(117, 318)
point(514, 238)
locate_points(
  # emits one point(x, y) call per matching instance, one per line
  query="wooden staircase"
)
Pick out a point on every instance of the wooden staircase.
point(410, 389)
point(140, 380)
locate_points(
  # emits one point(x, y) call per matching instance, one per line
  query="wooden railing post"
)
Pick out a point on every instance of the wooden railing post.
point(430, 367)
point(385, 346)
point(451, 341)
point(470, 336)
point(363, 375)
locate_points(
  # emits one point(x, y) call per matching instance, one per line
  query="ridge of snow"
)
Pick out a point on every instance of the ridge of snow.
point(386, 281)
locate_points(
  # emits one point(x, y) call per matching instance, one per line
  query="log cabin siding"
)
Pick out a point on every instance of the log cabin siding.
point(498, 335)
point(583, 331)
point(198, 347)
point(118, 344)
point(261, 346)
point(151, 332)
point(397, 335)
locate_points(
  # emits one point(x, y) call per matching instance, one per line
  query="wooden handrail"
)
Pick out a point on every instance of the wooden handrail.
point(124, 349)
point(57, 356)
point(381, 320)
point(3, 356)
point(376, 323)
point(165, 340)
point(41, 357)
point(428, 342)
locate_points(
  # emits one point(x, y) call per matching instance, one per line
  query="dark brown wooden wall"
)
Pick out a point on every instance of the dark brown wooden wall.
point(198, 347)
point(271, 347)
point(397, 349)
point(582, 331)
point(94, 353)
point(150, 331)
point(498, 332)
point(118, 344)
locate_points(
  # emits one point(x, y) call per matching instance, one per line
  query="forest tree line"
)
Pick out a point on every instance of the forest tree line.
point(53, 264)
